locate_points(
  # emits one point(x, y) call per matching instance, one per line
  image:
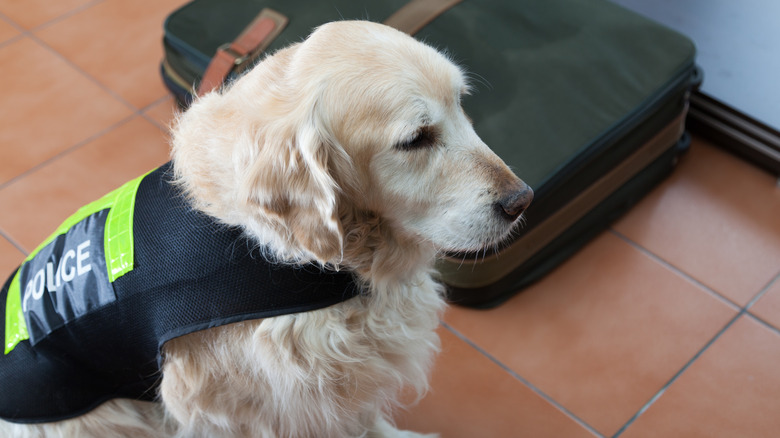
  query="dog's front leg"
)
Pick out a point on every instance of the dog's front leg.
point(206, 388)
point(247, 380)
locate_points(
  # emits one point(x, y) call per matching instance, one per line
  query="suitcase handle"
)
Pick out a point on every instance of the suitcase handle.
point(416, 14)
point(412, 17)
point(253, 40)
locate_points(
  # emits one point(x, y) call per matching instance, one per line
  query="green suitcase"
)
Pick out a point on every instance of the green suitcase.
point(585, 100)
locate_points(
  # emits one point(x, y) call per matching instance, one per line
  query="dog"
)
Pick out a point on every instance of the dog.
point(348, 151)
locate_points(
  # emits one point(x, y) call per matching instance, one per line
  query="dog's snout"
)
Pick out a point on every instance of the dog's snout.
point(514, 204)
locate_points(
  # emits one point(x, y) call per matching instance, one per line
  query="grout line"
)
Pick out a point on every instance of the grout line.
point(88, 76)
point(45, 24)
point(13, 242)
point(102, 86)
point(68, 150)
point(12, 23)
point(11, 40)
point(156, 102)
point(742, 310)
point(767, 325)
point(678, 374)
point(135, 112)
point(158, 125)
point(31, 34)
point(758, 296)
point(761, 293)
point(22, 31)
point(522, 380)
point(676, 270)
point(65, 15)
point(144, 110)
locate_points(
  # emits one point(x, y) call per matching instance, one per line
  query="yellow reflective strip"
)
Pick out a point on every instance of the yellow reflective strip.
point(15, 326)
point(118, 247)
point(81, 214)
point(118, 237)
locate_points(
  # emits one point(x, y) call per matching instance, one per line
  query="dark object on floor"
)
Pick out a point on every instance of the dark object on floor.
point(586, 101)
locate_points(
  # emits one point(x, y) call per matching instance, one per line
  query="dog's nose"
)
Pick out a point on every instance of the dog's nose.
point(514, 204)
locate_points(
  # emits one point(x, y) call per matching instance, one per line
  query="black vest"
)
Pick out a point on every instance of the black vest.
point(91, 340)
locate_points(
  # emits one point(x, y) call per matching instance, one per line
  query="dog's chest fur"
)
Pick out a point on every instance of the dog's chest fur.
point(355, 357)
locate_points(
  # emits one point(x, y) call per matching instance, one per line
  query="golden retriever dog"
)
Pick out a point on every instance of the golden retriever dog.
point(350, 150)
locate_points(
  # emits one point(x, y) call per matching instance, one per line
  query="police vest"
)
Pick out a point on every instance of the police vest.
point(87, 313)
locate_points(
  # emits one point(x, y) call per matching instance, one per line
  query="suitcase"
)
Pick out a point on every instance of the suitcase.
point(584, 100)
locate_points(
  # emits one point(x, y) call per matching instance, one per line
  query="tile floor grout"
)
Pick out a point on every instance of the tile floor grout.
point(677, 375)
point(758, 296)
point(105, 131)
point(162, 128)
point(13, 242)
point(31, 34)
point(11, 40)
point(68, 150)
point(763, 290)
point(135, 111)
point(522, 380)
point(88, 76)
point(744, 311)
point(741, 311)
point(23, 32)
point(13, 24)
point(763, 323)
point(144, 110)
point(51, 21)
point(65, 15)
point(72, 149)
point(676, 270)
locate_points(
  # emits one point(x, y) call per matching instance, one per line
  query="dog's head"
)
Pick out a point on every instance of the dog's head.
point(357, 121)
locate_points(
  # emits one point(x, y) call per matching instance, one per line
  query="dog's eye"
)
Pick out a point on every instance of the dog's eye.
point(424, 137)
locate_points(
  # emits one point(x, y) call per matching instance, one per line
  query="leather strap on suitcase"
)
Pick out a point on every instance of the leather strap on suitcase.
point(269, 24)
point(250, 43)
point(414, 15)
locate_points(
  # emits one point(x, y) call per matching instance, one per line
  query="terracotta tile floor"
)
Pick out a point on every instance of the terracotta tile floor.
point(665, 325)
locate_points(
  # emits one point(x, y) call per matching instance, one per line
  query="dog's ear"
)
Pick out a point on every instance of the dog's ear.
point(255, 155)
point(290, 182)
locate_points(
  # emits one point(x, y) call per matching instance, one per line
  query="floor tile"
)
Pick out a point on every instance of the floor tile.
point(32, 13)
point(47, 107)
point(716, 219)
point(10, 259)
point(602, 334)
point(162, 112)
point(730, 391)
point(119, 43)
point(768, 306)
point(78, 178)
point(473, 397)
point(7, 31)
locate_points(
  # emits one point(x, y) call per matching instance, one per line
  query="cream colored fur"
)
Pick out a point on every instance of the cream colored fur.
point(305, 153)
